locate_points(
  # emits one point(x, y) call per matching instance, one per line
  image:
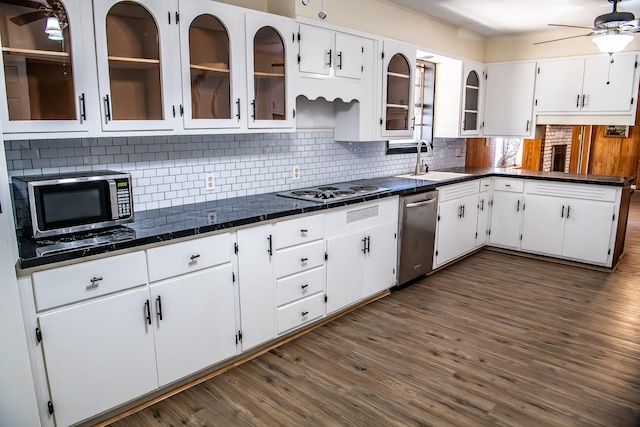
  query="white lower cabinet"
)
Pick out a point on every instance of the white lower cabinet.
point(361, 246)
point(506, 213)
point(484, 212)
point(256, 283)
point(98, 354)
point(195, 321)
point(457, 221)
point(570, 221)
point(300, 279)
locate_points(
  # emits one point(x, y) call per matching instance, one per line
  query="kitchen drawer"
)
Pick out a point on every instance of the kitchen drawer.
point(508, 184)
point(185, 257)
point(298, 231)
point(299, 258)
point(72, 283)
point(485, 184)
point(300, 285)
point(457, 191)
point(300, 312)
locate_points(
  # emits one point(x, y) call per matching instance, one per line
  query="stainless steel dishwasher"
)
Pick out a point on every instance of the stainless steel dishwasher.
point(418, 214)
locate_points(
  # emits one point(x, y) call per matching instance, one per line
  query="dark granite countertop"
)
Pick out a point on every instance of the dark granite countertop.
point(160, 225)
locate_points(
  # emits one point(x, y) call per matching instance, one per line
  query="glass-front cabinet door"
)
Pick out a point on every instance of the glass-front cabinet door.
point(399, 67)
point(472, 93)
point(47, 54)
point(269, 48)
point(135, 67)
point(212, 56)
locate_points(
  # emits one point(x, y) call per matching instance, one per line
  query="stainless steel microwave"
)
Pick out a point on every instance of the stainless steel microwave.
point(53, 205)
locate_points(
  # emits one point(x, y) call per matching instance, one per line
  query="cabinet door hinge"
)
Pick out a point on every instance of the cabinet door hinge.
point(326, 256)
point(523, 206)
point(177, 17)
point(395, 235)
point(38, 335)
point(240, 336)
point(298, 58)
point(362, 49)
point(536, 103)
point(298, 36)
point(436, 252)
point(476, 234)
point(438, 217)
point(233, 276)
point(538, 70)
point(609, 251)
point(362, 68)
point(521, 237)
point(50, 407)
point(635, 65)
point(181, 110)
point(294, 113)
point(235, 248)
point(325, 298)
point(382, 55)
point(614, 217)
point(486, 75)
point(631, 100)
point(489, 232)
point(381, 121)
point(173, 107)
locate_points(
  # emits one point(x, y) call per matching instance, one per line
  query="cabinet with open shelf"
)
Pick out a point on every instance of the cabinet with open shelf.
point(133, 46)
point(46, 64)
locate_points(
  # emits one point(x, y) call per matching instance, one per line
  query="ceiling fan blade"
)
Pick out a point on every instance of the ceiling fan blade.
point(631, 26)
point(570, 26)
point(570, 37)
point(25, 3)
point(30, 17)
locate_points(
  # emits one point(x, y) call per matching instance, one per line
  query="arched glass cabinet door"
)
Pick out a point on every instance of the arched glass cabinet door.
point(211, 51)
point(43, 66)
point(398, 90)
point(133, 64)
point(271, 102)
point(471, 102)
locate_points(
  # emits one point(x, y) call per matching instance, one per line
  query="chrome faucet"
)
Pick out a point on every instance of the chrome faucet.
point(419, 170)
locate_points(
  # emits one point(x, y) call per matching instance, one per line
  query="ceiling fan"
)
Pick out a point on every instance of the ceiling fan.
point(612, 27)
point(43, 10)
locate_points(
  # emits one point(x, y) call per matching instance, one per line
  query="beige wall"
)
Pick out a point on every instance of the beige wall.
point(521, 47)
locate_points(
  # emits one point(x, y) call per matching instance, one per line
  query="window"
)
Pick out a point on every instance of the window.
point(423, 110)
point(508, 152)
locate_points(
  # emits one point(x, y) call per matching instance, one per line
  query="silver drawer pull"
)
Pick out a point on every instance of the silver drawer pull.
point(304, 260)
point(507, 185)
point(194, 257)
point(304, 313)
point(304, 287)
point(304, 232)
point(94, 282)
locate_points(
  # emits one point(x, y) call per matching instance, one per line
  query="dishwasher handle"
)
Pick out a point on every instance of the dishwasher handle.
point(418, 204)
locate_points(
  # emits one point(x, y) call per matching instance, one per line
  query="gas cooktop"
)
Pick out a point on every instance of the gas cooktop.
point(333, 192)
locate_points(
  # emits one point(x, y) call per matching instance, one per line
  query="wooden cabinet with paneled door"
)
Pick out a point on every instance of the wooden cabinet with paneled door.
point(135, 40)
point(213, 68)
point(48, 62)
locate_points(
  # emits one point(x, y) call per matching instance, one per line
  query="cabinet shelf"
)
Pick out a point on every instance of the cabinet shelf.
point(266, 74)
point(38, 54)
point(218, 68)
point(402, 76)
point(398, 106)
point(132, 63)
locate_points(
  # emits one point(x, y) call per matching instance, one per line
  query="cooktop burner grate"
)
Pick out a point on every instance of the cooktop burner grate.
point(328, 193)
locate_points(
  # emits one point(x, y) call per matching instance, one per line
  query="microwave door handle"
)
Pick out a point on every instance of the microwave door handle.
point(114, 198)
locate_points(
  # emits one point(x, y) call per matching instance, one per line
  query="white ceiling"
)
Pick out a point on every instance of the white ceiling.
point(502, 17)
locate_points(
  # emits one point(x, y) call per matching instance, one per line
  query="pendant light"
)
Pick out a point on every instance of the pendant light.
point(53, 29)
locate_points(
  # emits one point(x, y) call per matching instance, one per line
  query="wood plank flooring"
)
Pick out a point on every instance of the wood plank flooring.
point(494, 340)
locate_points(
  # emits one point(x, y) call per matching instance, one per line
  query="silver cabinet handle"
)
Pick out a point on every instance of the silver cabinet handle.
point(418, 204)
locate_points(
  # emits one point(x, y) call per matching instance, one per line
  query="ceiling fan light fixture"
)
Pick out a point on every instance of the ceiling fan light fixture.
point(612, 43)
point(53, 26)
point(56, 36)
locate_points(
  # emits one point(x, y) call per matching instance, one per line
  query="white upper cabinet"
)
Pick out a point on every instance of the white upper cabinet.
point(587, 85)
point(509, 99)
point(48, 62)
point(472, 99)
point(330, 53)
point(269, 46)
point(136, 68)
point(213, 69)
point(398, 77)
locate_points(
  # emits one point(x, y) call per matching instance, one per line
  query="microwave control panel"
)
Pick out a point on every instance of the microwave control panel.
point(123, 193)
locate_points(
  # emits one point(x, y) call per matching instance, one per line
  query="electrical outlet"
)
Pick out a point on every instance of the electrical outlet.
point(296, 172)
point(209, 182)
point(213, 217)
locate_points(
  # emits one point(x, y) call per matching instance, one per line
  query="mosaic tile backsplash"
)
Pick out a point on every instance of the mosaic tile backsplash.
point(170, 170)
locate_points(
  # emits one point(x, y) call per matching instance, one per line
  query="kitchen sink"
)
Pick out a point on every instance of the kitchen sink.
point(435, 176)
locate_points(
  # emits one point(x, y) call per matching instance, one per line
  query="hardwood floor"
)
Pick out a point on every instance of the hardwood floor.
point(495, 340)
